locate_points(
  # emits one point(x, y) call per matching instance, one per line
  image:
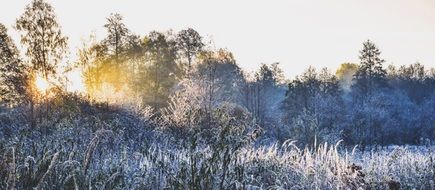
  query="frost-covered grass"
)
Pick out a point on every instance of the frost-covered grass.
point(412, 167)
point(116, 149)
point(101, 164)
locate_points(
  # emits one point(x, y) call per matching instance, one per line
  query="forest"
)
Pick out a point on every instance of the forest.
point(168, 110)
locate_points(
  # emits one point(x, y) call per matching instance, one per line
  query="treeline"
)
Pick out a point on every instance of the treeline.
point(187, 83)
point(375, 106)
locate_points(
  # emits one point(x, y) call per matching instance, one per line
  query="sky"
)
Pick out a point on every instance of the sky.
point(296, 33)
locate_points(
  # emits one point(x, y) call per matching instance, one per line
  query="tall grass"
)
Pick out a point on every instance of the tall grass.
point(206, 167)
point(120, 150)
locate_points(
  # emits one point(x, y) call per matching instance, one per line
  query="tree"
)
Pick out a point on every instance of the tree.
point(117, 35)
point(370, 79)
point(345, 74)
point(218, 77)
point(370, 74)
point(219, 69)
point(160, 73)
point(301, 91)
point(42, 36)
point(92, 60)
point(278, 73)
point(136, 59)
point(13, 76)
point(112, 61)
point(313, 104)
point(190, 43)
point(116, 45)
point(45, 44)
point(264, 84)
point(262, 95)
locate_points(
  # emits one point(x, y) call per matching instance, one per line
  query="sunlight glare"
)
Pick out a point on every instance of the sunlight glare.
point(42, 84)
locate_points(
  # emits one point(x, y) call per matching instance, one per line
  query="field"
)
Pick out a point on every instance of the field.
point(121, 149)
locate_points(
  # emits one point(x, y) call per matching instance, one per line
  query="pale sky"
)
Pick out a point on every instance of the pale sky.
point(295, 33)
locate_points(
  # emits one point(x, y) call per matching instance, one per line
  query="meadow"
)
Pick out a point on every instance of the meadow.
point(95, 148)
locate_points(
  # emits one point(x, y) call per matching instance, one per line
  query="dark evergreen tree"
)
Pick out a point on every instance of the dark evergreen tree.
point(370, 74)
point(370, 81)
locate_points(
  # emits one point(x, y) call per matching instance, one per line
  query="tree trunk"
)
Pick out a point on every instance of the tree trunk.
point(32, 115)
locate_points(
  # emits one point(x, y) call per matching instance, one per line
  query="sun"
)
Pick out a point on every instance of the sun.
point(42, 84)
